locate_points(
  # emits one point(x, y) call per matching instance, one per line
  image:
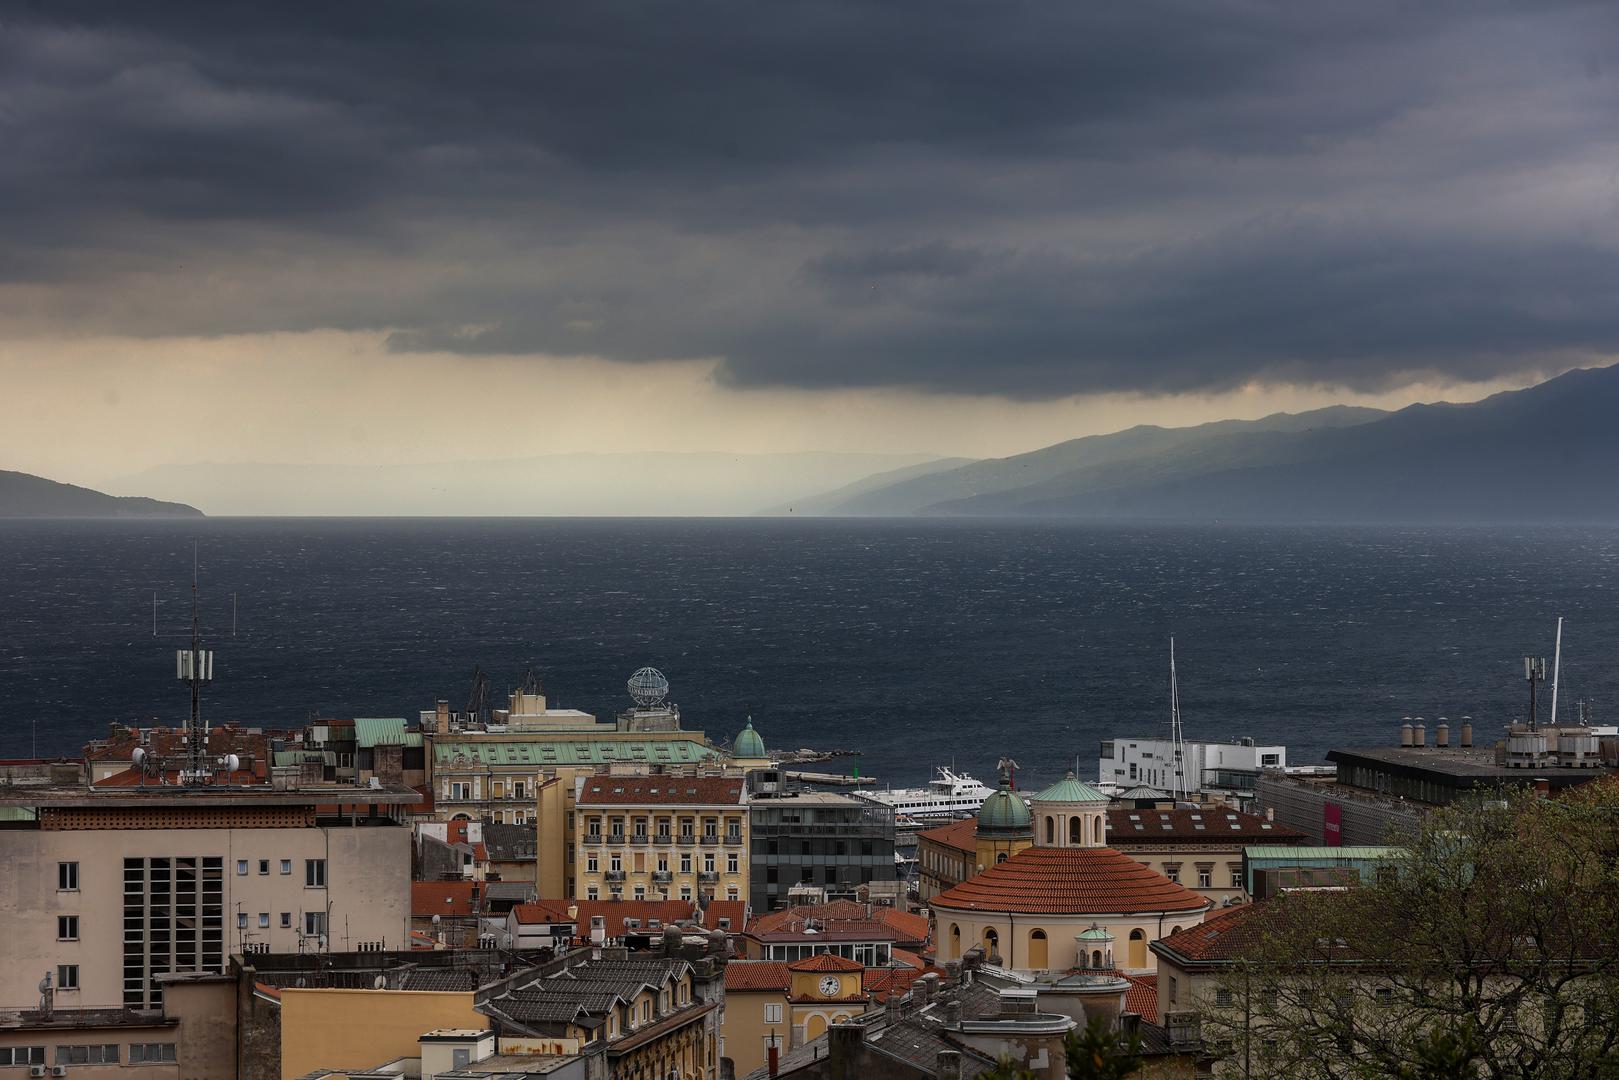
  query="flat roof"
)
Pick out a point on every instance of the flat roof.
point(1469, 765)
point(815, 798)
point(78, 795)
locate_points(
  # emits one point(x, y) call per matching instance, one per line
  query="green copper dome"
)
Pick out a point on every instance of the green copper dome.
point(1095, 933)
point(1070, 790)
point(1004, 812)
point(748, 743)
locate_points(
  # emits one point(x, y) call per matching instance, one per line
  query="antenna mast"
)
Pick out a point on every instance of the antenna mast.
point(1176, 741)
point(195, 666)
point(1557, 667)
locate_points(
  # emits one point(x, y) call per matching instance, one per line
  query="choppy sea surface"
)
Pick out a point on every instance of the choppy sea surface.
point(918, 643)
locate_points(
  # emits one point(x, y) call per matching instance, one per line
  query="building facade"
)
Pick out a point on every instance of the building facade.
point(1232, 767)
point(837, 842)
point(661, 837)
point(108, 890)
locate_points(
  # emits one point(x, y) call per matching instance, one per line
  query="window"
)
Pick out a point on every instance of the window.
point(264, 920)
point(685, 864)
point(241, 867)
point(1236, 879)
point(1172, 871)
point(592, 893)
point(640, 892)
point(22, 1055)
point(314, 873)
point(67, 928)
point(772, 1014)
point(460, 790)
point(286, 919)
point(1174, 989)
point(264, 866)
point(67, 880)
point(286, 868)
point(1205, 878)
point(732, 866)
point(88, 1055)
point(141, 1053)
point(592, 865)
point(241, 920)
point(1222, 998)
point(314, 922)
point(67, 976)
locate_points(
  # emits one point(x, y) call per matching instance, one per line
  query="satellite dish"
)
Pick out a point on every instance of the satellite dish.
point(648, 687)
point(437, 919)
point(139, 756)
point(232, 763)
point(380, 982)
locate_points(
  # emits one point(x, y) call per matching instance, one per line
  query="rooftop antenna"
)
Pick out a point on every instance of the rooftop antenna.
point(195, 666)
point(1176, 740)
point(1534, 671)
point(1557, 667)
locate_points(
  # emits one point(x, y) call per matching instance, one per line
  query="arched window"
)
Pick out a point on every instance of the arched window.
point(1075, 834)
point(1176, 930)
point(955, 941)
point(992, 941)
point(1000, 858)
point(1096, 958)
point(1098, 830)
point(1138, 948)
point(1051, 830)
point(1037, 950)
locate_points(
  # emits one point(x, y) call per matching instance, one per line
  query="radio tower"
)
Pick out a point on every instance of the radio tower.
point(195, 666)
point(1176, 741)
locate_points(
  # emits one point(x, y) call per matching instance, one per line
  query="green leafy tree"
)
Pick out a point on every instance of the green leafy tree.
point(1489, 949)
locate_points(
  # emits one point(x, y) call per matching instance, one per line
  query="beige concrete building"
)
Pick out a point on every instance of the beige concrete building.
point(109, 888)
point(661, 837)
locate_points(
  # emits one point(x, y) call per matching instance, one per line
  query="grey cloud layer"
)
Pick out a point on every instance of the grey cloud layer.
point(1018, 199)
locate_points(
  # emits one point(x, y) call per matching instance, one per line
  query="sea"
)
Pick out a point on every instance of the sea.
point(916, 643)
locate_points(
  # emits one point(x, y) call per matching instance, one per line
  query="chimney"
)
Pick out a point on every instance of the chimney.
point(1467, 731)
point(1543, 788)
point(1270, 813)
point(1406, 733)
point(773, 1057)
point(952, 1012)
point(843, 1045)
point(947, 1065)
point(1419, 733)
point(1441, 734)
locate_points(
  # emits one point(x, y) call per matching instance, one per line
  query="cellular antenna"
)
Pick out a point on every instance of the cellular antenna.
point(195, 666)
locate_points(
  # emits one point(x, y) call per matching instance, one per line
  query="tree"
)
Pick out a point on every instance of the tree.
point(1096, 1052)
point(1489, 948)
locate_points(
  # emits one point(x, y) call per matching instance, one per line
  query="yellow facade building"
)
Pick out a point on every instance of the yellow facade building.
point(660, 837)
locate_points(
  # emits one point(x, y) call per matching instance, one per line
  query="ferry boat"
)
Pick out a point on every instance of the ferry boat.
point(950, 794)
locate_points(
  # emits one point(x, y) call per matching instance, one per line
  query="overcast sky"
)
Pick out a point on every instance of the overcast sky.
point(400, 232)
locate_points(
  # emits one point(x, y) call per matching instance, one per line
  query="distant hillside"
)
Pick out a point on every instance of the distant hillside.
point(826, 502)
point(23, 495)
point(1139, 450)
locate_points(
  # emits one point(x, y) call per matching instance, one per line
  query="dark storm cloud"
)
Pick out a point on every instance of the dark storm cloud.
point(1022, 199)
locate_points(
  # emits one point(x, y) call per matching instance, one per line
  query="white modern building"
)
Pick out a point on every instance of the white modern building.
point(1220, 767)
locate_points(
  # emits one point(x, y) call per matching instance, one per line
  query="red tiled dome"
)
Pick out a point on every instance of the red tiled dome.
point(1070, 881)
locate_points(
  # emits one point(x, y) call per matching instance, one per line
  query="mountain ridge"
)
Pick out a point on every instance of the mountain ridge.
point(24, 495)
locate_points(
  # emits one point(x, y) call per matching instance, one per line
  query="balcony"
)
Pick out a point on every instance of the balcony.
point(733, 839)
point(687, 839)
point(710, 839)
point(708, 877)
point(615, 838)
point(662, 877)
point(663, 839)
point(614, 875)
point(640, 839)
point(593, 839)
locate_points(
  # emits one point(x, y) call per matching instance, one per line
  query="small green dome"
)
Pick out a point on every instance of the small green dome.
point(748, 744)
point(1095, 933)
point(1070, 790)
point(1004, 812)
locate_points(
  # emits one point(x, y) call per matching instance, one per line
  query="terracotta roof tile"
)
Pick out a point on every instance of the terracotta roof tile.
point(1070, 881)
point(1142, 997)
point(734, 912)
point(1219, 937)
point(743, 975)
point(796, 915)
point(908, 926)
point(429, 898)
point(613, 913)
point(825, 962)
point(961, 835)
point(1205, 824)
point(660, 790)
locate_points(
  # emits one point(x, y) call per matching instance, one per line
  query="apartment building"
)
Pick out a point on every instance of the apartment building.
point(836, 842)
point(661, 837)
point(110, 887)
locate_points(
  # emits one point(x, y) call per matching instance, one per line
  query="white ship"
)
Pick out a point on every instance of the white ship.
point(951, 794)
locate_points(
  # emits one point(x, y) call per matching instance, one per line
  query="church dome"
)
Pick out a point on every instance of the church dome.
point(1070, 790)
point(1004, 812)
point(748, 744)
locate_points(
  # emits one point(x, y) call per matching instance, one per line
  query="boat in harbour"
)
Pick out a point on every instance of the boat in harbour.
point(949, 795)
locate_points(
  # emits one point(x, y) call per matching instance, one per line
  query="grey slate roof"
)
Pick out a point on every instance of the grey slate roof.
point(590, 989)
point(520, 892)
point(460, 979)
point(509, 843)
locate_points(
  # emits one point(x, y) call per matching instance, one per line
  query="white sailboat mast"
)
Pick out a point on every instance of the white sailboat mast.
point(1177, 742)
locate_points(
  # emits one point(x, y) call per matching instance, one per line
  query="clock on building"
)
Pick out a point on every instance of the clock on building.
point(830, 986)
